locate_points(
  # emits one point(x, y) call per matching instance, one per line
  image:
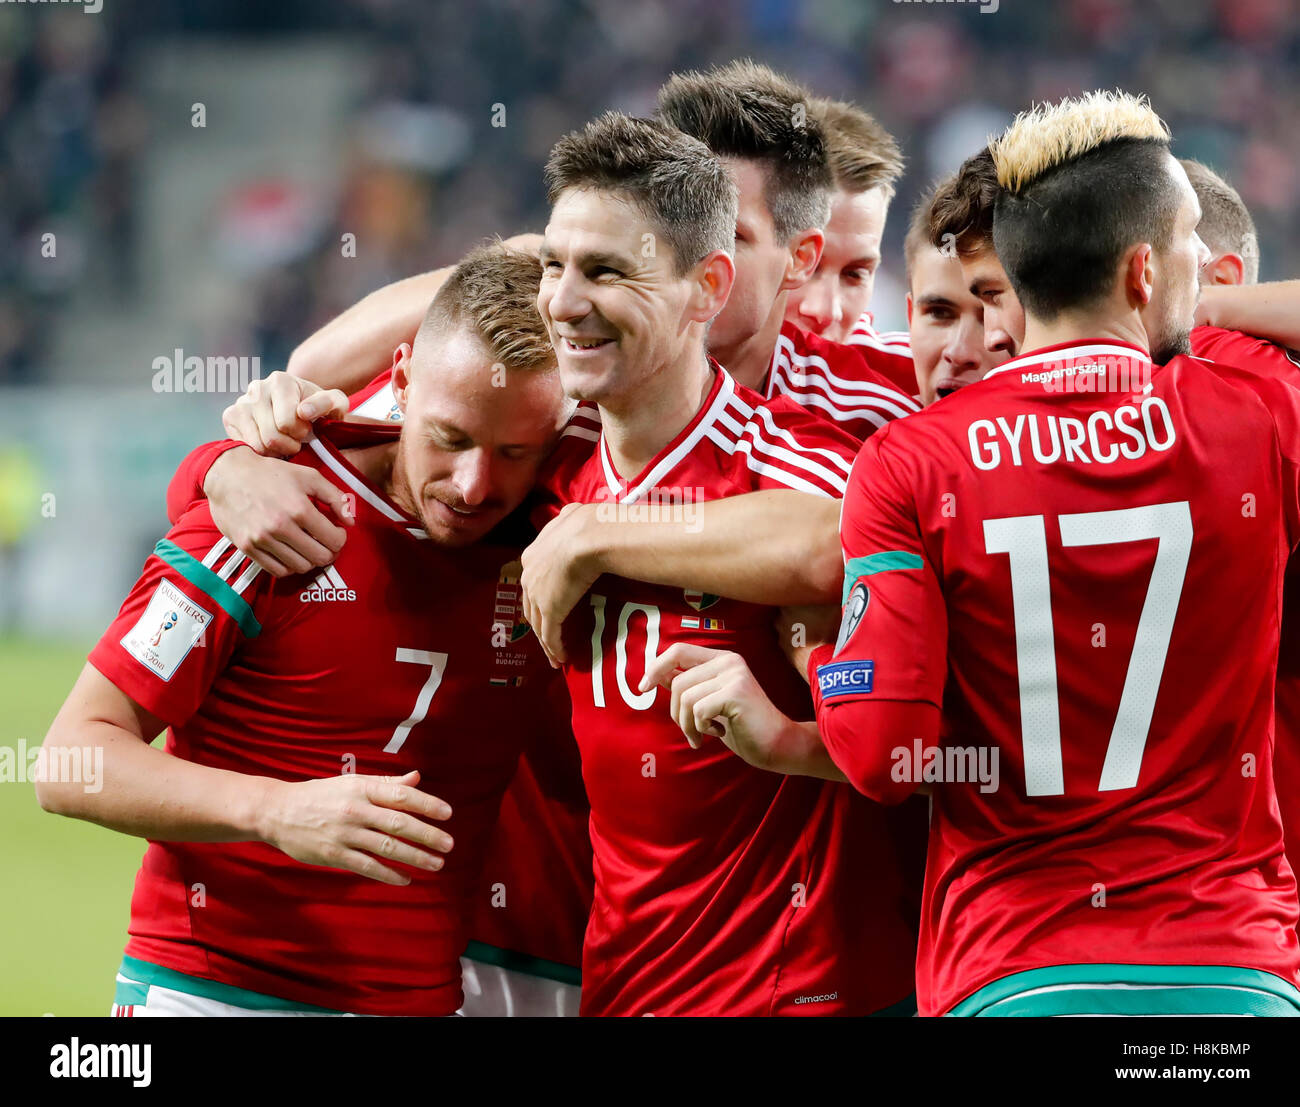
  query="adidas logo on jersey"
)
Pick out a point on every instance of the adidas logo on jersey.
point(329, 585)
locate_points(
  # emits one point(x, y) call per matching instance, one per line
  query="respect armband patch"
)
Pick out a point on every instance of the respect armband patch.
point(845, 678)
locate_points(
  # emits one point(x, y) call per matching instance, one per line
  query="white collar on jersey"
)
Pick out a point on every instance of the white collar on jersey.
point(381, 505)
point(674, 452)
point(1069, 353)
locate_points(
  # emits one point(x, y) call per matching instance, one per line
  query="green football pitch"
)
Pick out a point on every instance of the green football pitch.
point(67, 884)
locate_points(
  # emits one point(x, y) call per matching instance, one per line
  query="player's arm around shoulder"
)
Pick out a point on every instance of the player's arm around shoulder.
point(286, 517)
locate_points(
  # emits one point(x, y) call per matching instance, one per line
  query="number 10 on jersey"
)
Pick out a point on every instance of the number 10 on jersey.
point(639, 701)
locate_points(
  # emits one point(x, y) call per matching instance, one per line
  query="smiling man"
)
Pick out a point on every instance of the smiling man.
point(1077, 510)
point(774, 140)
point(865, 164)
point(720, 888)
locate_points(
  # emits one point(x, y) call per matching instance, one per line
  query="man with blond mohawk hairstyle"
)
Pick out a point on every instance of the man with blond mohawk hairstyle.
point(1233, 313)
point(1030, 567)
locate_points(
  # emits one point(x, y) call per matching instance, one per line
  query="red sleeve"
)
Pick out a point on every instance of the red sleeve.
point(787, 446)
point(196, 601)
point(882, 688)
point(186, 487)
point(1245, 351)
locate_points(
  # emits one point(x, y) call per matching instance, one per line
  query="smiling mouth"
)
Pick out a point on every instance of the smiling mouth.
point(584, 345)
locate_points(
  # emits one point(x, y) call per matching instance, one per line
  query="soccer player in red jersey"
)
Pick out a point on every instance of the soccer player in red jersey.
point(782, 174)
point(786, 150)
point(834, 303)
point(1025, 624)
point(778, 150)
point(961, 218)
point(945, 319)
point(720, 888)
point(292, 866)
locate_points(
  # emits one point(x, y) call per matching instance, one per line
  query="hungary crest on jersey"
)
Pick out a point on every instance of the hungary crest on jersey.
point(508, 627)
point(700, 600)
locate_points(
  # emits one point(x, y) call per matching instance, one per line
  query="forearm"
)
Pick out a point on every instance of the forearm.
point(799, 751)
point(356, 346)
point(1270, 311)
point(775, 548)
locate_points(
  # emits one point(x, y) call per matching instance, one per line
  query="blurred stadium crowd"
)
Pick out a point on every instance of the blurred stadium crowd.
point(423, 172)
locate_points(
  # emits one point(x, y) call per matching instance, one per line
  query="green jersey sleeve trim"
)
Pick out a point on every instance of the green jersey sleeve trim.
point(211, 585)
point(878, 563)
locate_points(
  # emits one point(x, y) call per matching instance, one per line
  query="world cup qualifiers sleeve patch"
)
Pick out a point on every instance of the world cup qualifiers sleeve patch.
point(169, 628)
point(845, 678)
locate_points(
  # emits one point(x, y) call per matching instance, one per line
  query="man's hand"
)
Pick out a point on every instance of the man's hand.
point(267, 509)
point(349, 822)
point(275, 415)
point(714, 695)
point(559, 567)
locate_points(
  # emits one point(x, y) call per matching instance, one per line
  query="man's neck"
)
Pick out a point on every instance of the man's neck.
point(382, 466)
point(638, 431)
point(749, 361)
point(1077, 329)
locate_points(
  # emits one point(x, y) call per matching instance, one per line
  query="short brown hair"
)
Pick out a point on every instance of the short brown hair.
point(1226, 226)
point(675, 180)
point(863, 155)
point(746, 110)
point(493, 292)
point(961, 208)
point(918, 231)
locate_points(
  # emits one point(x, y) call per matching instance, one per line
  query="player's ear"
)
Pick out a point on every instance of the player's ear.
point(1227, 269)
point(1140, 274)
point(805, 255)
point(908, 301)
point(713, 276)
point(401, 374)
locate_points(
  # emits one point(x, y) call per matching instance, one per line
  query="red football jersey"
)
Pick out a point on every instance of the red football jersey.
point(720, 888)
point(1255, 355)
point(1088, 582)
point(838, 382)
point(383, 662)
point(887, 352)
point(536, 889)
